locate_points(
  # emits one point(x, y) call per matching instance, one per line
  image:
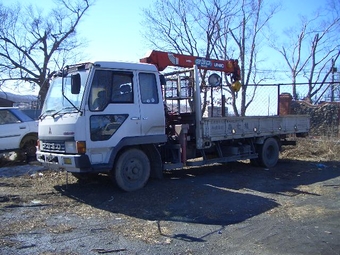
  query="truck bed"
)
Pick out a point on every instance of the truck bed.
point(226, 128)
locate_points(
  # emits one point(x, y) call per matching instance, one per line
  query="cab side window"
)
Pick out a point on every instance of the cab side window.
point(148, 88)
point(100, 90)
point(122, 87)
point(110, 87)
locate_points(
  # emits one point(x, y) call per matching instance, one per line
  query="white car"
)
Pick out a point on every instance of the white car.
point(18, 132)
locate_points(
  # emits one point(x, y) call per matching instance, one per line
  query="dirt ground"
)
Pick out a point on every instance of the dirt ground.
point(293, 208)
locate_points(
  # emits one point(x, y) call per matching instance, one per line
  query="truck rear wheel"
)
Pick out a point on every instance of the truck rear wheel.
point(269, 153)
point(132, 170)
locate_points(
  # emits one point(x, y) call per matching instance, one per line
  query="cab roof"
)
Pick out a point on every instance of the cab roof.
point(126, 66)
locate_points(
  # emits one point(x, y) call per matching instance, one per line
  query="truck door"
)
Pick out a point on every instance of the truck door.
point(113, 103)
point(151, 107)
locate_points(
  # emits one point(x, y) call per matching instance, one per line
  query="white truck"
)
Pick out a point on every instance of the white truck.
point(131, 122)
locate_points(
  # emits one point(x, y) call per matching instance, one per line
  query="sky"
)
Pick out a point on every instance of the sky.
point(113, 27)
point(114, 32)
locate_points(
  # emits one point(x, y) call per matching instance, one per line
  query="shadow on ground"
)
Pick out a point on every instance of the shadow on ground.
point(218, 194)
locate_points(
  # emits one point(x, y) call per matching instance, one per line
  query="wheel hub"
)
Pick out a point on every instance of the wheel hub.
point(133, 171)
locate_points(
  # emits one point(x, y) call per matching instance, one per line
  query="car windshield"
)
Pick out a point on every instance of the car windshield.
point(60, 98)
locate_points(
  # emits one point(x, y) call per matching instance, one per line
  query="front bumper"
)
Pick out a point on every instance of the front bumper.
point(71, 163)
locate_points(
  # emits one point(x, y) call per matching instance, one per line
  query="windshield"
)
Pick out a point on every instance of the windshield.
point(59, 97)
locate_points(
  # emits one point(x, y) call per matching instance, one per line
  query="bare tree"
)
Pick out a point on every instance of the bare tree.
point(34, 43)
point(186, 27)
point(212, 29)
point(247, 33)
point(310, 50)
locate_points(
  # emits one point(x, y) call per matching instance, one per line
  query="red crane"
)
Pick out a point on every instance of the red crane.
point(164, 59)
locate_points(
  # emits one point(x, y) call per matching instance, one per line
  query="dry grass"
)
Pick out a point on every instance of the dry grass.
point(313, 150)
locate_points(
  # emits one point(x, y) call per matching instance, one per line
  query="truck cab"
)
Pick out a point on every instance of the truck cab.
point(93, 110)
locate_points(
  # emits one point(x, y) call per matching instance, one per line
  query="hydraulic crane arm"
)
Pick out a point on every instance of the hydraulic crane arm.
point(164, 59)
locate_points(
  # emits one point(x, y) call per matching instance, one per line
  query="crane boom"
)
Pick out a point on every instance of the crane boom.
point(164, 59)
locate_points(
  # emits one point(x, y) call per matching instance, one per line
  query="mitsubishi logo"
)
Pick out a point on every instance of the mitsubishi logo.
point(50, 130)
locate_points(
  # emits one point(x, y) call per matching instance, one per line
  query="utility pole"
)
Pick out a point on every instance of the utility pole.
point(333, 85)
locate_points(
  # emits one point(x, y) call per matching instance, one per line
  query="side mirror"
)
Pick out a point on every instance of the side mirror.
point(75, 83)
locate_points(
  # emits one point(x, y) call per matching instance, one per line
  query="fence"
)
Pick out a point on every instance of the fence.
point(260, 100)
point(277, 99)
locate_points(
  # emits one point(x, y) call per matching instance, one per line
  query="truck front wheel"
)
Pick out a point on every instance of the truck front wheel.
point(269, 153)
point(132, 170)
point(28, 147)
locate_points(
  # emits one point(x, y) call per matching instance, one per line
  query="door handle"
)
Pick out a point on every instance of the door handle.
point(134, 118)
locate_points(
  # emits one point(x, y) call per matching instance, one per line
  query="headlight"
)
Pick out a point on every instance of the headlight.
point(75, 147)
point(70, 147)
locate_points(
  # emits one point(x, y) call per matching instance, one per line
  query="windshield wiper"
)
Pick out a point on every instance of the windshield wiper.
point(43, 115)
point(65, 110)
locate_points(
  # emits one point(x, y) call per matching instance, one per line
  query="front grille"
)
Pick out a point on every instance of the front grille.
point(53, 146)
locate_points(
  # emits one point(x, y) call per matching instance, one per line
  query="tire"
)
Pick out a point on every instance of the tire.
point(269, 153)
point(29, 148)
point(132, 170)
